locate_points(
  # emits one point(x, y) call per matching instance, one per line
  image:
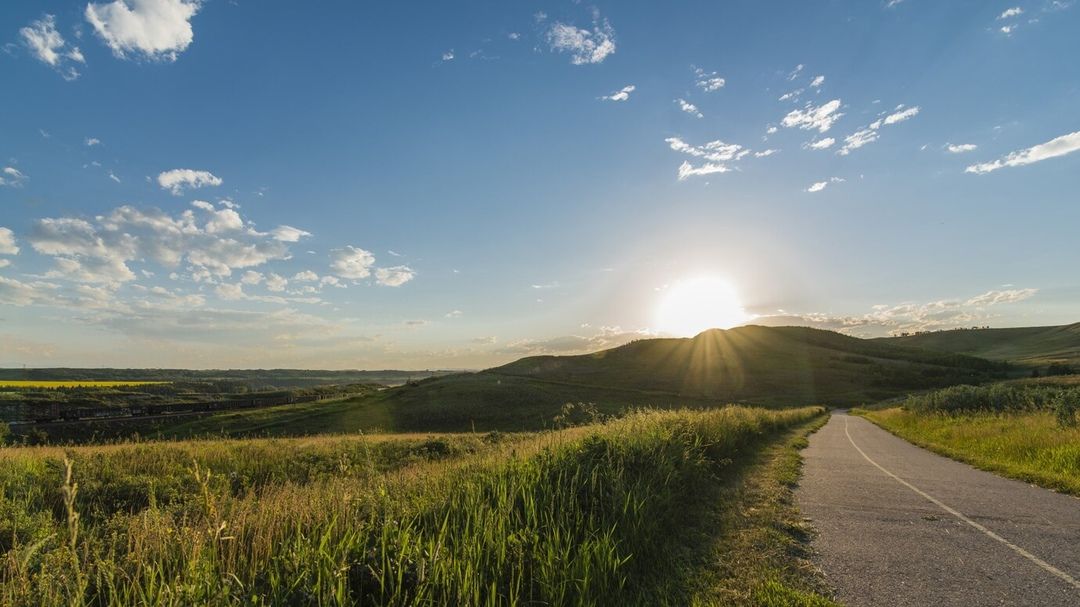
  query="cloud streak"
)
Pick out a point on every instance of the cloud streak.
point(1059, 146)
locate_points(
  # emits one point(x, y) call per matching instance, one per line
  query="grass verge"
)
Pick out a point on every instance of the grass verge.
point(585, 516)
point(761, 556)
point(1030, 446)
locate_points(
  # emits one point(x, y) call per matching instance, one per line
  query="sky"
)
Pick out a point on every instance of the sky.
point(248, 184)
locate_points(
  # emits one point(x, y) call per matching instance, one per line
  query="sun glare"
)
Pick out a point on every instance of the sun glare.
point(692, 306)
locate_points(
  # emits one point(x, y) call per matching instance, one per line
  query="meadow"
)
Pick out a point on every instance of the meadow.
point(1026, 431)
point(647, 509)
point(24, 384)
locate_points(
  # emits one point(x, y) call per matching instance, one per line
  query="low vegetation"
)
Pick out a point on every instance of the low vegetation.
point(33, 383)
point(1028, 431)
point(598, 514)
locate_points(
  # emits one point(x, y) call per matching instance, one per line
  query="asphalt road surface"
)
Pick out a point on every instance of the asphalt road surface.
point(898, 525)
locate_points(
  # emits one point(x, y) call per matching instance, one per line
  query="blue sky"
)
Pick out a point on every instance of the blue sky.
point(255, 184)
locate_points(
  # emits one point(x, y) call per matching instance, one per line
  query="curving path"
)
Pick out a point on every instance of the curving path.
point(898, 525)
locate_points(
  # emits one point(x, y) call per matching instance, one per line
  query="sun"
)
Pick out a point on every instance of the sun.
point(694, 305)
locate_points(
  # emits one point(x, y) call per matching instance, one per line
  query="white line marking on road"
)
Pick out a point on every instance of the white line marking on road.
point(1017, 549)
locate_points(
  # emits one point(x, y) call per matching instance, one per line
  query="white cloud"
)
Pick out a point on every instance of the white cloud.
point(154, 29)
point(276, 283)
point(795, 72)
point(871, 133)
point(708, 81)
point(688, 170)
point(764, 153)
point(1015, 11)
point(288, 234)
point(224, 220)
point(251, 277)
point(7, 242)
point(92, 141)
point(229, 291)
point(306, 276)
point(817, 82)
point(177, 180)
point(715, 154)
point(902, 115)
point(791, 95)
point(892, 3)
point(1059, 146)
point(99, 250)
point(1008, 29)
point(771, 130)
point(43, 40)
point(689, 108)
point(114, 177)
point(514, 36)
point(584, 46)
point(858, 139)
point(960, 148)
point(394, 276)
point(821, 117)
point(448, 55)
point(352, 262)
point(11, 176)
point(454, 314)
point(908, 317)
point(5, 263)
point(821, 144)
point(821, 185)
point(620, 95)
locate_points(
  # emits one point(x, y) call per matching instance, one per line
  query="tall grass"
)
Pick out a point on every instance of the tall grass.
point(584, 516)
point(1029, 445)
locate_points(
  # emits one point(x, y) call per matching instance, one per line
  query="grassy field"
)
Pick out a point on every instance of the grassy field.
point(1031, 346)
point(628, 512)
point(1030, 446)
point(33, 383)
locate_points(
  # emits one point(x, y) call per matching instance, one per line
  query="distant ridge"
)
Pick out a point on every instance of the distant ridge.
point(1030, 346)
point(769, 366)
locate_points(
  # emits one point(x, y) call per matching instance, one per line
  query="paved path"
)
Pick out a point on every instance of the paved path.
point(898, 525)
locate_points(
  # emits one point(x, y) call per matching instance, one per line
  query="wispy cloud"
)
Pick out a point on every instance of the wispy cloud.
point(1059, 146)
point(1015, 11)
point(622, 94)
point(13, 177)
point(394, 276)
point(689, 108)
point(47, 45)
point(583, 45)
point(909, 317)
point(820, 144)
point(960, 148)
point(820, 117)
point(708, 81)
point(871, 133)
point(716, 155)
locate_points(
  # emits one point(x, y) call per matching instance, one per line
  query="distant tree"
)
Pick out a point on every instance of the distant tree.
point(5, 433)
point(1035, 372)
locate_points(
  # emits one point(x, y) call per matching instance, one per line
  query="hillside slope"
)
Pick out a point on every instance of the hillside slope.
point(1032, 346)
point(770, 366)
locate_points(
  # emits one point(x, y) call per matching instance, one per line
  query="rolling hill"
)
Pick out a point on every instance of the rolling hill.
point(769, 366)
point(1029, 346)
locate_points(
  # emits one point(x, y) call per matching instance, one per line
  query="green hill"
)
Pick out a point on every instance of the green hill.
point(1030, 346)
point(769, 366)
